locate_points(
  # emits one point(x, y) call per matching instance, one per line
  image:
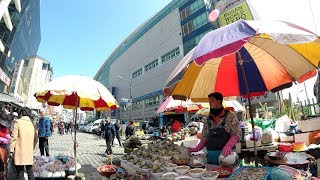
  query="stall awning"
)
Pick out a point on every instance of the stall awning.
point(9, 99)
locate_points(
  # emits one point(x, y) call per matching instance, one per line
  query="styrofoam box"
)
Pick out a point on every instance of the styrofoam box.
point(285, 138)
point(309, 125)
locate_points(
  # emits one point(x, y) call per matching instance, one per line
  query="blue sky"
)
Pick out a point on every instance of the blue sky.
point(78, 36)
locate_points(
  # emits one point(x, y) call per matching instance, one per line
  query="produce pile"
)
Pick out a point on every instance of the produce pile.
point(48, 167)
point(131, 143)
point(181, 135)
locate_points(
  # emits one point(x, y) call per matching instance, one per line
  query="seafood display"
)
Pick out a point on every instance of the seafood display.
point(249, 173)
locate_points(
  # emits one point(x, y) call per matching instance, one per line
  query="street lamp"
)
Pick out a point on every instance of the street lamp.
point(130, 95)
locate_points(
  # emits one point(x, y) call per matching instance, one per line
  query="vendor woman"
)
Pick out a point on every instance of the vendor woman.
point(221, 130)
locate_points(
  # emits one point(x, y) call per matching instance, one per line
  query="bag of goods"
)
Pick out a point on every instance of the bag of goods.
point(266, 137)
point(45, 174)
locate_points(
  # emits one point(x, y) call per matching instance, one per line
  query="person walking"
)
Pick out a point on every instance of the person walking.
point(102, 129)
point(130, 129)
point(4, 139)
point(118, 129)
point(22, 144)
point(109, 135)
point(44, 131)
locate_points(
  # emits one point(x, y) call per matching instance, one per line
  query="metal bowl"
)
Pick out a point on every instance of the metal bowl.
point(229, 161)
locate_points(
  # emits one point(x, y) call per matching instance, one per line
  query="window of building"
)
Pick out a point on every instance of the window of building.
point(185, 13)
point(137, 73)
point(187, 46)
point(187, 28)
point(137, 105)
point(200, 21)
point(170, 55)
point(194, 7)
point(151, 66)
point(153, 101)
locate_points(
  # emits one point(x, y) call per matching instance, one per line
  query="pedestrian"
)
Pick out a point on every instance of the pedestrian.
point(102, 129)
point(109, 135)
point(22, 144)
point(68, 125)
point(4, 139)
point(118, 129)
point(130, 129)
point(61, 128)
point(44, 132)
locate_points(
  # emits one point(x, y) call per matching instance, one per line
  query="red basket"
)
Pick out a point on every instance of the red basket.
point(108, 173)
point(285, 147)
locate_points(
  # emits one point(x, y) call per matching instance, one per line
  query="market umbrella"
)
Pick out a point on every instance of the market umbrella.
point(171, 104)
point(73, 92)
point(246, 58)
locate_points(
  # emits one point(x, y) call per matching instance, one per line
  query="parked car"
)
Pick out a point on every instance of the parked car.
point(81, 126)
point(87, 127)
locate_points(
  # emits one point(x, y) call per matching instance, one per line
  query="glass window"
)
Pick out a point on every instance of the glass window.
point(200, 21)
point(170, 55)
point(194, 7)
point(151, 66)
point(153, 101)
point(187, 28)
point(137, 105)
point(137, 73)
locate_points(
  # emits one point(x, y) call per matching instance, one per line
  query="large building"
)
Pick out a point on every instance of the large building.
point(19, 34)
point(29, 77)
point(141, 64)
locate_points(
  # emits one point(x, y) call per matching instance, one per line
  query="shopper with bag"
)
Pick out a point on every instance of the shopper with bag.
point(22, 144)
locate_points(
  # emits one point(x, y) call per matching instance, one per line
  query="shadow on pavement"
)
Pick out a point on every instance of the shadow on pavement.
point(90, 172)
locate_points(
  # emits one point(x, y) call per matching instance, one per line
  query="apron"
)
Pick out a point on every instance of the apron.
point(216, 140)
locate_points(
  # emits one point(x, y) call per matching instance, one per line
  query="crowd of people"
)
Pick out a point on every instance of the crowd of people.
point(19, 134)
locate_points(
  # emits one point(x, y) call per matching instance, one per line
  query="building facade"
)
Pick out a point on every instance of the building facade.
point(141, 64)
point(29, 77)
point(19, 34)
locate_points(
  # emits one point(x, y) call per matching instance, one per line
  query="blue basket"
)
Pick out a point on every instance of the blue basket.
point(156, 133)
point(244, 167)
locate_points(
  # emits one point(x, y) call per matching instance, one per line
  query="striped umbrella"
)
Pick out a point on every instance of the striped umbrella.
point(268, 63)
point(246, 58)
point(73, 92)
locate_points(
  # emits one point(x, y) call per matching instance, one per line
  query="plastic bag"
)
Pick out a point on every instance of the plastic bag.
point(10, 173)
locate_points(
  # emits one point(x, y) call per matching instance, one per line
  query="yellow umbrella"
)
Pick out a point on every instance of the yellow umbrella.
point(73, 92)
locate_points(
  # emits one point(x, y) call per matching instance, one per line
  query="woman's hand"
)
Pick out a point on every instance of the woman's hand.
point(226, 151)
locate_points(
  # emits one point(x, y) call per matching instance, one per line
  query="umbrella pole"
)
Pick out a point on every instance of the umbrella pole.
point(250, 109)
point(75, 142)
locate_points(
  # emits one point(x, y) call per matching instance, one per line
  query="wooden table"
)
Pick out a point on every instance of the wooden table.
point(299, 160)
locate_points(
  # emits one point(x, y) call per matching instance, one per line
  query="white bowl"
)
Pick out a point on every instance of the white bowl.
point(157, 175)
point(196, 174)
point(169, 169)
point(170, 173)
point(184, 177)
point(210, 178)
point(144, 170)
point(182, 169)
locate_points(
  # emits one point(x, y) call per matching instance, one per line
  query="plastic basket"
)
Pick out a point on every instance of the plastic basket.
point(244, 167)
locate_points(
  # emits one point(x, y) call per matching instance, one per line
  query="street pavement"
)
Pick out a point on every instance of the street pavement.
point(90, 151)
